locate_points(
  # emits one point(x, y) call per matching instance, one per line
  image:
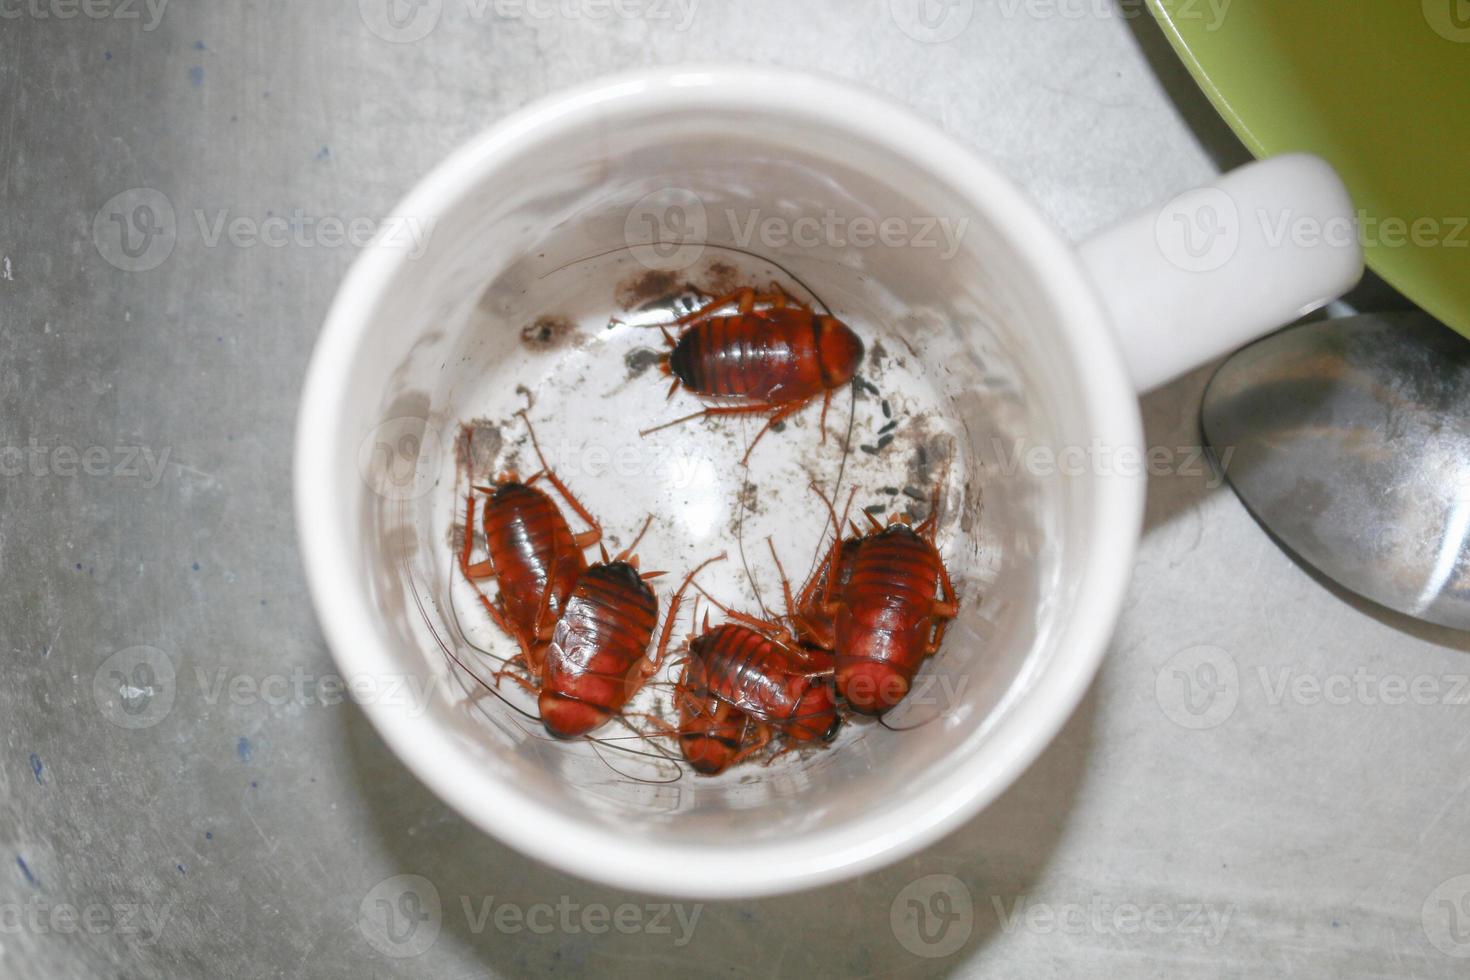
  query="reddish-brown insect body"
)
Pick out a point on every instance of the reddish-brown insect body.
point(599, 657)
point(765, 678)
point(772, 356)
point(888, 618)
point(815, 624)
point(713, 734)
point(775, 356)
point(882, 605)
point(532, 554)
point(596, 661)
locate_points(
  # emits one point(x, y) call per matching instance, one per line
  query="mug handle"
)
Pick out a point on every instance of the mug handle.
point(1219, 266)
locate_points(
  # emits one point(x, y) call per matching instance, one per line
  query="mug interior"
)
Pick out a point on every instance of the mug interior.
point(541, 288)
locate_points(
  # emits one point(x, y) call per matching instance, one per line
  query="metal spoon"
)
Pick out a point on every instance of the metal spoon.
point(1351, 442)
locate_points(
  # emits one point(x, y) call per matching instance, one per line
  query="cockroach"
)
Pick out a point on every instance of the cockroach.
point(772, 356)
point(768, 677)
point(532, 555)
point(713, 734)
point(814, 624)
point(760, 667)
point(886, 615)
point(599, 657)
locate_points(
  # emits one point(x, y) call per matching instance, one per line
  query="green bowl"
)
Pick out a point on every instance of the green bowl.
point(1381, 88)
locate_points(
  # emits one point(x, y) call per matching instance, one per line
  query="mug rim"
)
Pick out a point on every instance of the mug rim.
point(588, 849)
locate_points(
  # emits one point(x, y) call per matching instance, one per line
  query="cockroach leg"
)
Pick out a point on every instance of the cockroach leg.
point(626, 552)
point(594, 532)
point(652, 665)
point(780, 415)
point(785, 582)
point(745, 301)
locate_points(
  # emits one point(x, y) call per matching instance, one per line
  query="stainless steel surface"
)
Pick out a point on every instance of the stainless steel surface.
point(1247, 789)
point(1350, 441)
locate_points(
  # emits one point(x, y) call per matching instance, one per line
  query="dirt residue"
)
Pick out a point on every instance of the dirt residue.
point(877, 355)
point(721, 278)
point(928, 461)
point(548, 332)
point(640, 360)
point(750, 498)
point(747, 501)
point(476, 449)
point(649, 286)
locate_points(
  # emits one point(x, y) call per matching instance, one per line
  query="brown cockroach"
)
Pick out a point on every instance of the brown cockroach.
point(886, 615)
point(532, 555)
point(765, 673)
point(783, 695)
point(599, 657)
point(773, 355)
point(762, 668)
point(713, 734)
point(813, 623)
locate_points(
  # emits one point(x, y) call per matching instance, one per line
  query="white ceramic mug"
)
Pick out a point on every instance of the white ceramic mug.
point(1021, 340)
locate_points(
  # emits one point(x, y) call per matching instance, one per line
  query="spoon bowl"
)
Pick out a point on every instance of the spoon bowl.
point(1349, 440)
